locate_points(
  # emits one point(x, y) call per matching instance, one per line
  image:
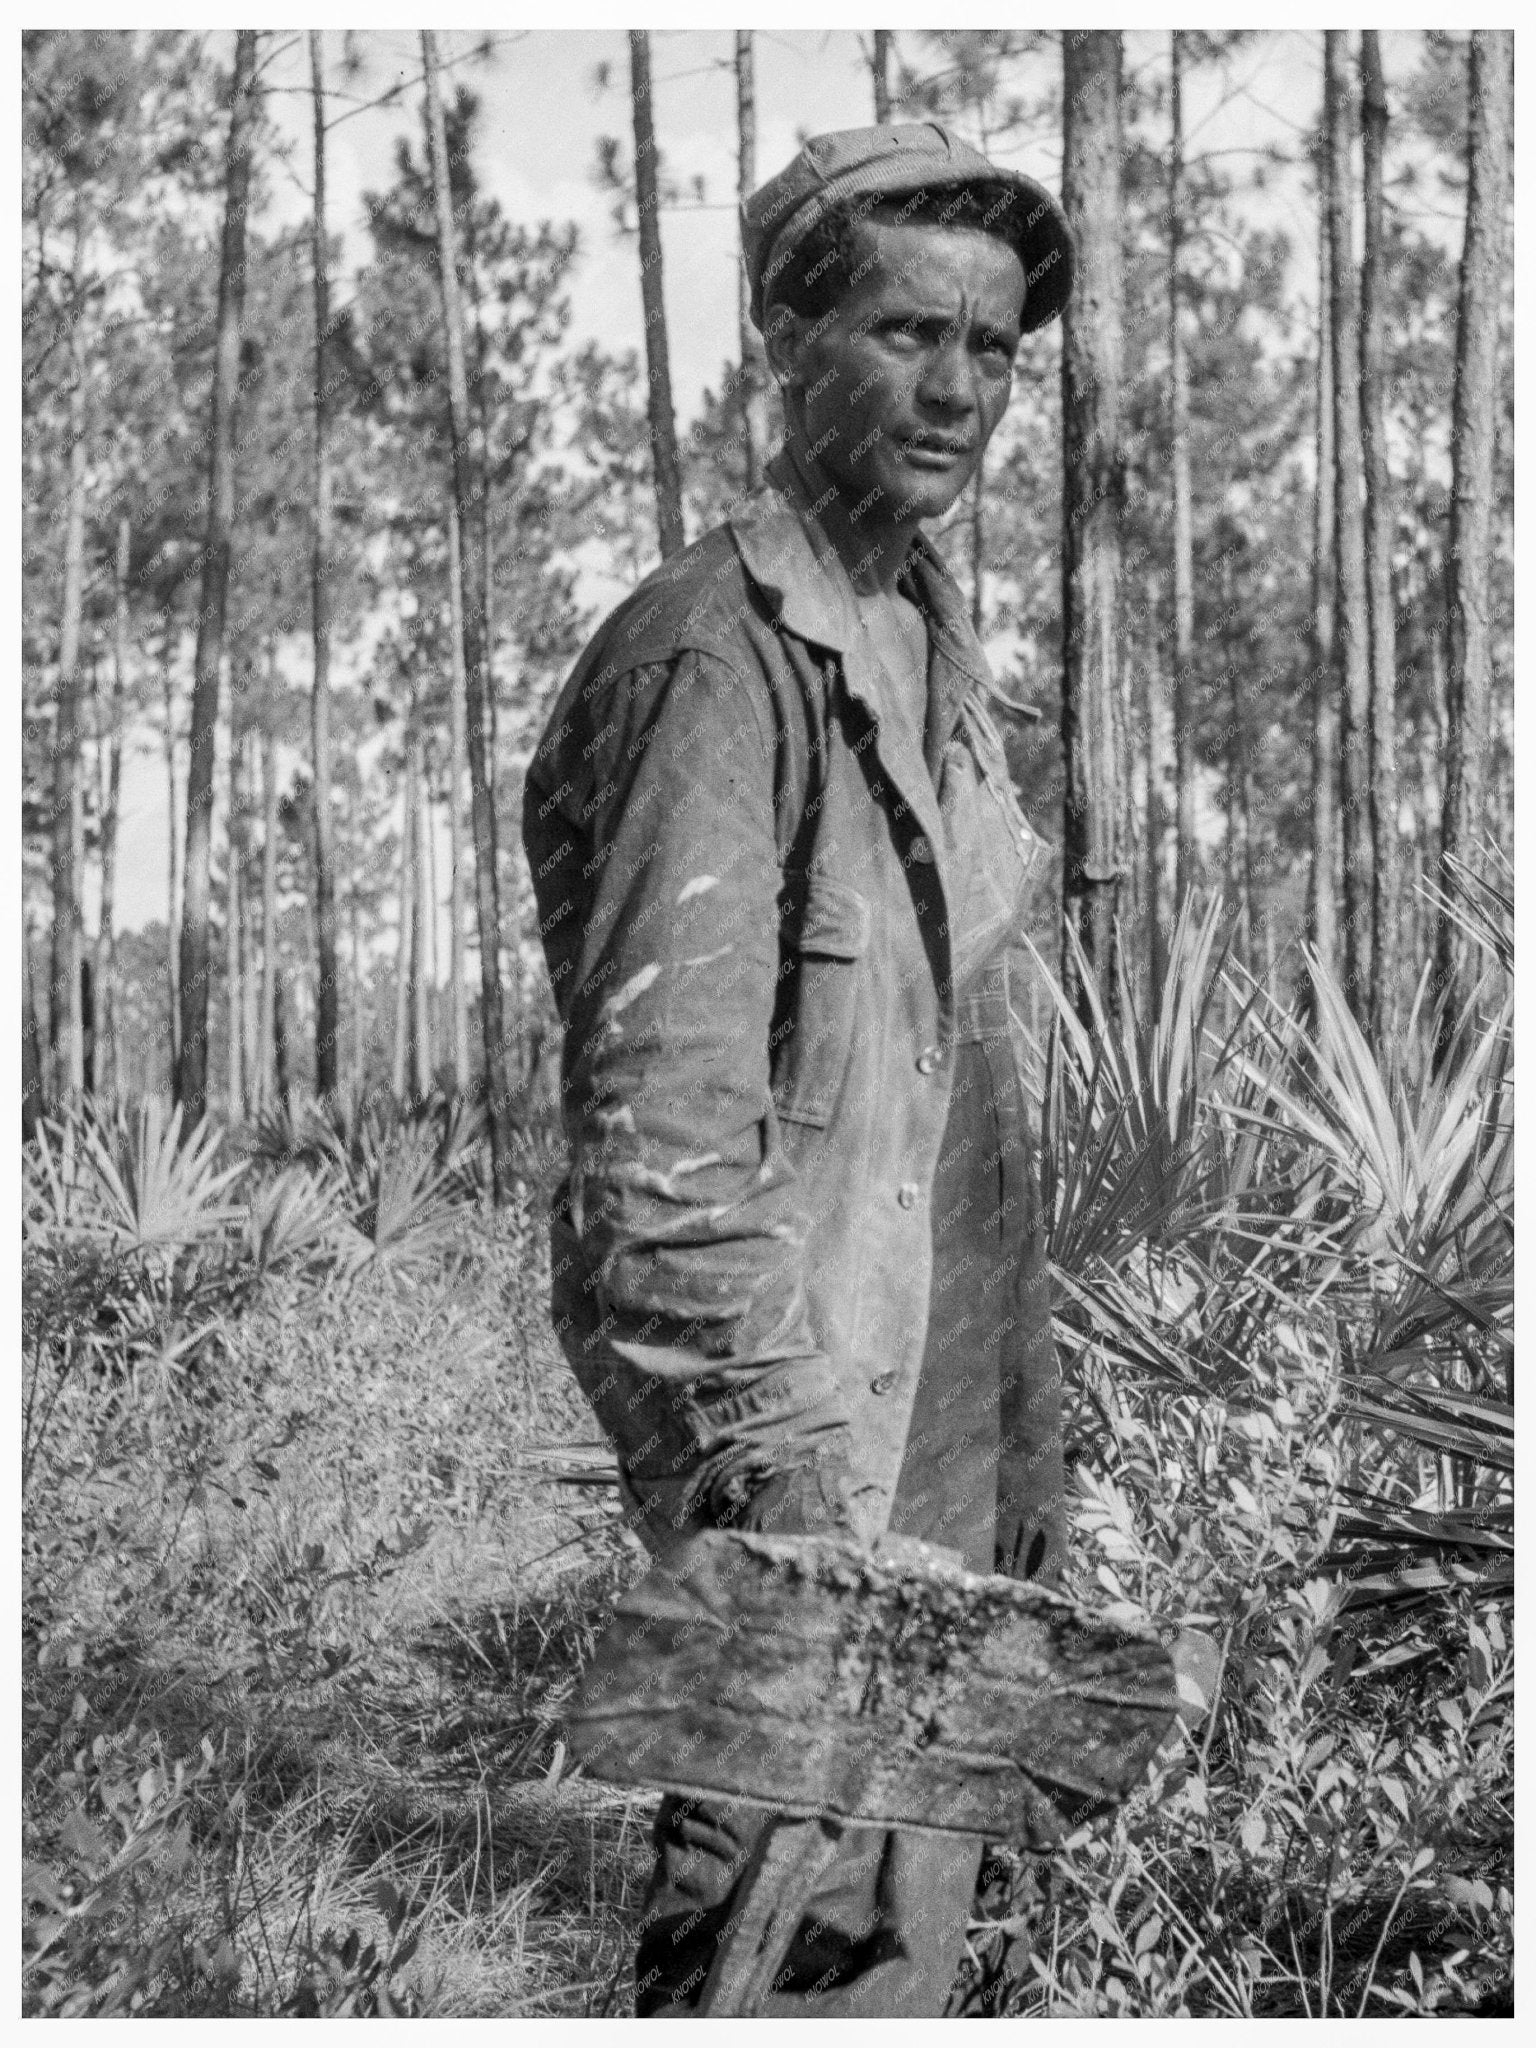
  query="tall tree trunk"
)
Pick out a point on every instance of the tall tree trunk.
point(1474, 436)
point(433, 900)
point(172, 854)
point(458, 996)
point(250, 979)
point(266, 1043)
point(88, 1015)
point(1239, 846)
point(327, 984)
point(358, 1074)
point(880, 66)
point(1322, 894)
point(405, 944)
point(1093, 493)
point(659, 409)
point(1439, 705)
point(234, 995)
point(421, 1013)
point(978, 548)
point(104, 1081)
point(192, 1066)
point(485, 526)
point(754, 432)
point(508, 912)
point(1429, 761)
point(281, 1076)
point(1351, 624)
point(487, 877)
point(1157, 790)
point(1433, 747)
point(1185, 863)
point(1385, 953)
point(66, 1018)
point(1140, 894)
point(1232, 845)
point(33, 1083)
point(1130, 748)
point(1231, 842)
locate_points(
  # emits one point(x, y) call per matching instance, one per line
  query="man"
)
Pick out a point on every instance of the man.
point(782, 877)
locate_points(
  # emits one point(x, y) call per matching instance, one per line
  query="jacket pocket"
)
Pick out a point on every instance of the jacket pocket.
point(816, 1035)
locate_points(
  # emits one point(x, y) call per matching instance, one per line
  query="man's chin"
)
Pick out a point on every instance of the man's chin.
point(897, 491)
point(926, 494)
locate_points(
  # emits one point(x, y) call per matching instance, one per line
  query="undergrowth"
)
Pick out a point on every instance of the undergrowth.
point(317, 1540)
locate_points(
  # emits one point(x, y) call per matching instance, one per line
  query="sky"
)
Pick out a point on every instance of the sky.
point(543, 112)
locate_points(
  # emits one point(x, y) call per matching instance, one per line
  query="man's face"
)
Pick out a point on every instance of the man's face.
point(898, 394)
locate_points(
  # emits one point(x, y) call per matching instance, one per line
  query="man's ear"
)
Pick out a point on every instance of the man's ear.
point(786, 344)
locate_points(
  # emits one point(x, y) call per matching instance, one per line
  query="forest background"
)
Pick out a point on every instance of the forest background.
point(1238, 762)
point(361, 374)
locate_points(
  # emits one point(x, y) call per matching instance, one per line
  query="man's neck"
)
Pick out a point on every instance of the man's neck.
point(872, 549)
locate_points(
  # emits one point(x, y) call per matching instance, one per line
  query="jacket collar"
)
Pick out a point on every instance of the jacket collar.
point(788, 556)
point(793, 564)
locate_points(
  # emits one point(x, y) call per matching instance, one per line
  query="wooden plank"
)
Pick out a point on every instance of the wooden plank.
point(808, 1676)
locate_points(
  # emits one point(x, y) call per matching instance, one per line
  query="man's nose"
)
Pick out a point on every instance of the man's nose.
point(947, 378)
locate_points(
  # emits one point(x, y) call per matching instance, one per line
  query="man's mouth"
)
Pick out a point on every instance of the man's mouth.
point(934, 450)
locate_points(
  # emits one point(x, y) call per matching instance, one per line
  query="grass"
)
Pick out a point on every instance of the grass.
point(306, 1585)
point(302, 1607)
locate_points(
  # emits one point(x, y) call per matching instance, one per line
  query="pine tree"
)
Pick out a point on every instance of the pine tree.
point(1322, 895)
point(483, 810)
point(265, 1090)
point(104, 1078)
point(753, 424)
point(1183, 520)
point(1474, 433)
point(1378, 549)
point(880, 69)
point(1351, 622)
point(1093, 464)
point(66, 1023)
point(192, 1064)
point(663, 419)
point(328, 985)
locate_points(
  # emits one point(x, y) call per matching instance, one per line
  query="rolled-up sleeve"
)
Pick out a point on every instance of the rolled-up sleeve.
point(649, 822)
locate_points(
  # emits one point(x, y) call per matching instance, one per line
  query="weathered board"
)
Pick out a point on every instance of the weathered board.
point(807, 1676)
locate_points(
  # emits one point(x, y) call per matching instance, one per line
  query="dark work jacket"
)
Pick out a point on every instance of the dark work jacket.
point(773, 898)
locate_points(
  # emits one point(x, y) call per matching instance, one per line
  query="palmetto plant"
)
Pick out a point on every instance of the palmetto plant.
point(138, 1183)
point(406, 1213)
point(1482, 904)
point(375, 1183)
point(1184, 1229)
point(127, 1264)
point(1233, 1191)
point(134, 1239)
point(1283, 1263)
point(299, 1218)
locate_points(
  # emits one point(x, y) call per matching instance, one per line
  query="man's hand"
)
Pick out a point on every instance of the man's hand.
point(806, 1497)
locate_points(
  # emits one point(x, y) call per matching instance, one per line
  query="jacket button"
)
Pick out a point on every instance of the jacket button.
point(922, 849)
point(906, 1194)
point(930, 1059)
point(882, 1383)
